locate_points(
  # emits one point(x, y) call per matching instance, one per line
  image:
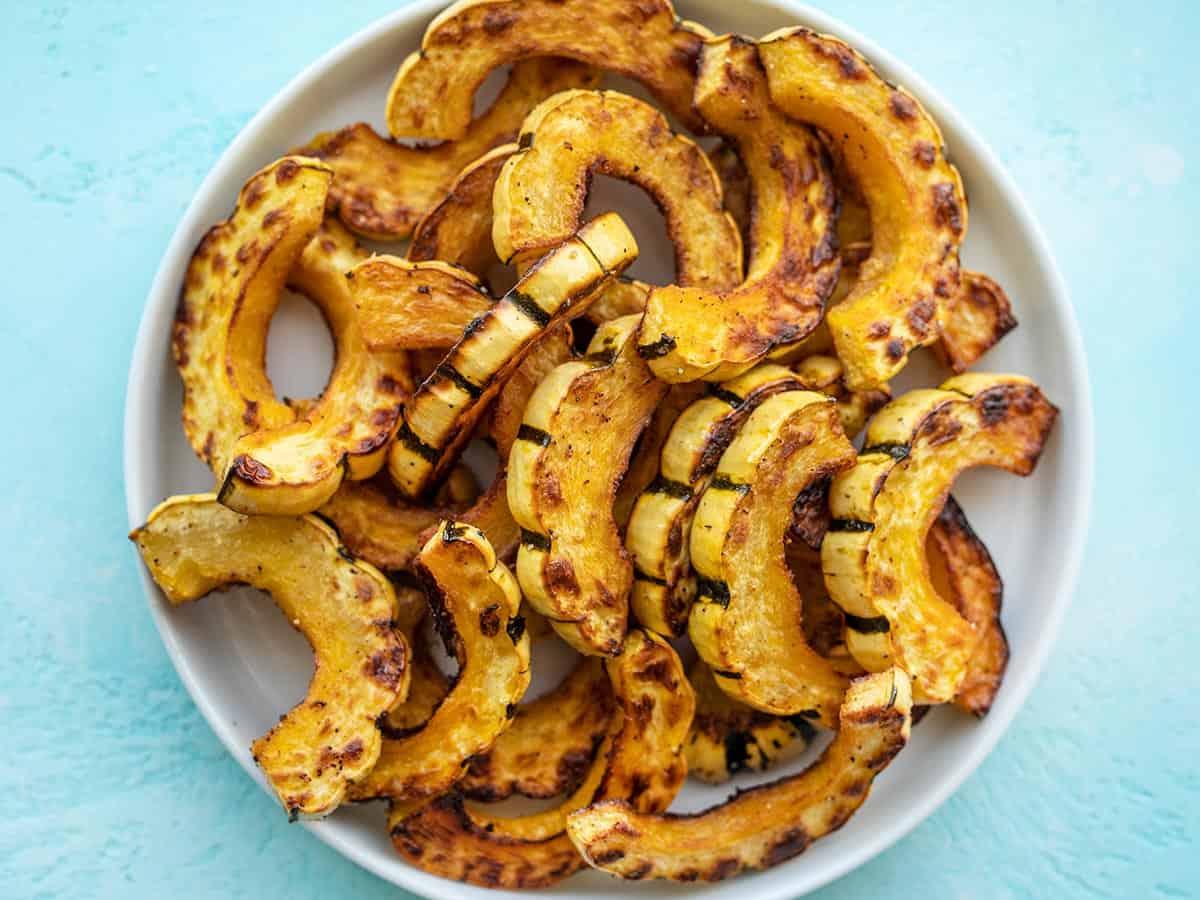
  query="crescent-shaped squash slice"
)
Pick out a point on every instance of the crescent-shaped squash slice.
point(661, 521)
point(728, 737)
point(640, 761)
point(540, 195)
point(893, 150)
point(699, 331)
point(551, 742)
point(763, 826)
point(746, 621)
point(874, 553)
point(192, 546)
point(433, 92)
point(475, 603)
point(382, 188)
point(973, 321)
point(963, 573)
point(565, 468)
point(440, 417)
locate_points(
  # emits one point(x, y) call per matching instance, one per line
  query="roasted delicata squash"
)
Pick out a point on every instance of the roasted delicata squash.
point(193, 545)
point(963, 573)
point(551, 742)
point(540, 195)
point(918, 211)
point(440, 417)
point(504, 421)
point(640, 762)
point(565, 468)
point(746, 619)
point(728, 737)
point(874, 553)
point(382, 188)
point(697, 331)
point(763, 826)
point(475, 603)
point(827, 375)
point(661, 521)
point(432, 94)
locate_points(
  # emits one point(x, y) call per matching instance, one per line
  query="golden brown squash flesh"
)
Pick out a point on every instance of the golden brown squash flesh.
point(640, 761)
point(696, 330)
point(475, 603)
point(565, 468)
point(874, 553)
point(433, 91)
point(918, 211)
point(763, 826)
point(746, 619)
point(193, 545)
point(382, 188)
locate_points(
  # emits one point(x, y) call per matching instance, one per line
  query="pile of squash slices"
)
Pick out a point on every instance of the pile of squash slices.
point(705, 488)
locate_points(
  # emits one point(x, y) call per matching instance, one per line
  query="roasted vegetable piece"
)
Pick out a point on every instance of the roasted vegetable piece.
point(827, 375)
point(640, 761)
point(728, 737)
point(432, 94)
point(439, 418)
point(746, 621)
point(893, 150)
point(701, 331)
point(763, 826)
point(382, 188)
point(475, 602)
point(565, 468)
point(193, 545)
point(551, 742)
point(874, 553)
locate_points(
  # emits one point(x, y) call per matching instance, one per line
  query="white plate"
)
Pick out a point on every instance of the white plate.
point(244, 666)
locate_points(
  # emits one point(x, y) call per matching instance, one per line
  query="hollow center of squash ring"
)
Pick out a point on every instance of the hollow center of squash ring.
point(300, 349)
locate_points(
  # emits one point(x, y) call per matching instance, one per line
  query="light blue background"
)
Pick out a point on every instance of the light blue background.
point(111, 783)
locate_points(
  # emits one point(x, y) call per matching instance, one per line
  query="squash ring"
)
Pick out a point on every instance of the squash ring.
point(192, 545)
point(640, 761)
point(893, 150)
point(702, 332)
point(746, 621)
point(763, 826)
point(874, 553)
point(578, 432)
point(433, 91)
point(439, 418)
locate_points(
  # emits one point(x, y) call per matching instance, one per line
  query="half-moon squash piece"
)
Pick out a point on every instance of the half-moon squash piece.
point(382, 188)
point(433, 91)
point(640, 761)
point(701, 331)
point(192, 546)
point(565, 468)
point(874, 553)
point(746, 620)
point(475, 603)
point(763, 826)
point(893, 150)
point(440, 417)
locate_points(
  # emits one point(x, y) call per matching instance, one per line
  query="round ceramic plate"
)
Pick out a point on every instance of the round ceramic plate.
point(244, 666)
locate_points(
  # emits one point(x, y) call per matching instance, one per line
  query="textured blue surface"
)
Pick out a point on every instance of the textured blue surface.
point(114, 786)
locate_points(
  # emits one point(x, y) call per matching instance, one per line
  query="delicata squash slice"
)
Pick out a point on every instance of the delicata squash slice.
point(475, 603)
point(579, 430)
point(193, 545)
point(763, 826)
point(918, 211)
point(640, 762)
point(697, 331)
point(746, 620)
point(874, 553)
point(439, 418)
point(268, 457)
point(433, 92)
point(382, 188)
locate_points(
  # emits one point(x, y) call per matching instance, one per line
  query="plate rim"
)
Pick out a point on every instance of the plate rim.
point(157, 313)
